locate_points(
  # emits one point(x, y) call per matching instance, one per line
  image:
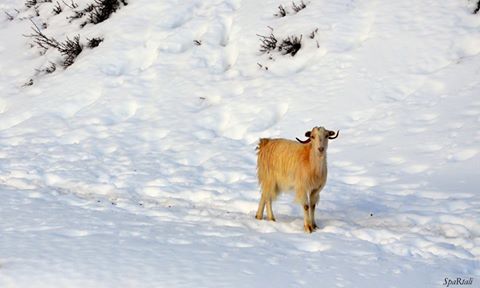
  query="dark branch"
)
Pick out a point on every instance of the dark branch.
point(269, 43)
point(298, 7)
point(281, 12)
point(72, 5)
point(57, 9)
point(290, 45)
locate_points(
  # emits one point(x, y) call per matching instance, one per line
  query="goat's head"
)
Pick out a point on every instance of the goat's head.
point(319, 137)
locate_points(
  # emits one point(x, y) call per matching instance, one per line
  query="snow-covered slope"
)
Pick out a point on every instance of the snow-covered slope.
point(135, 166)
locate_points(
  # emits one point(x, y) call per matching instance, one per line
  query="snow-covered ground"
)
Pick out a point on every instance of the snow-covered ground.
point(135, 166)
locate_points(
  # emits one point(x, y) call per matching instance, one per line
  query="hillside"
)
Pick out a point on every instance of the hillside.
point(135, 166)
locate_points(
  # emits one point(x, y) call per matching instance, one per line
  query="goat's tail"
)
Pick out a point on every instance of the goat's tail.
point(262, 143)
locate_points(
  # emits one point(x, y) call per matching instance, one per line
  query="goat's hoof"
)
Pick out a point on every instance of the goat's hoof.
point(258, 217)
point(309, 228)
point(272, 219)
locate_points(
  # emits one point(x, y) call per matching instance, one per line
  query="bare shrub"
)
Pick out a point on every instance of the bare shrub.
point(281, 12)
point(28, 83)
point(70, 48)
point(57, 9)
point(94, 42)
point(102, 9)
point(269, 43)
point(49, 69)
point(290, 45)
point(72, 4)
point(9, 16)
point(80, 13)
point(298, 7)
point(31, 3)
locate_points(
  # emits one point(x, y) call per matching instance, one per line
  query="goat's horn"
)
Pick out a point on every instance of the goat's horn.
point(303, 142)
point(331, 133)
point(307, 134)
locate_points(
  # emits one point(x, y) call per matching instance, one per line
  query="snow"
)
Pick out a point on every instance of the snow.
point(135, 166)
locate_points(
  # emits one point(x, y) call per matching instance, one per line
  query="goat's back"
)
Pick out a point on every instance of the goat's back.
point(279, 160)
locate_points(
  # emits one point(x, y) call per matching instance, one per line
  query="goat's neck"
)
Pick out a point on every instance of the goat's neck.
point(318, 161)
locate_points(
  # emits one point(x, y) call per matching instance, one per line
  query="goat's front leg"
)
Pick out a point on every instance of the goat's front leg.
point(307, 214)
point(307, 220)
point(314, 197)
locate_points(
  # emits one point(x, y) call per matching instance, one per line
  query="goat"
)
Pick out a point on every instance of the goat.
point(287, 165)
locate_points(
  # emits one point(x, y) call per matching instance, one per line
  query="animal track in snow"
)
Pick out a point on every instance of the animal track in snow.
point(349, 167)
point(212, 35)
point(122, 111)
point(75, 233)
point(179, 16)
point(179, 241)
point(464, 154)
point(244, 121)
point(273, 116)
point(416, 168)
point(3, 104)
point(218, 31)
point(431, 147)
point(394, 160)
point(471, 112)
point(359, 181)
point(312, 246)
point(428, 118)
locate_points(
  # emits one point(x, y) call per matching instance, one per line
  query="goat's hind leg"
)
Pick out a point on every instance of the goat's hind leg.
point(268, 194)
point(270, 215)
point(261, 207)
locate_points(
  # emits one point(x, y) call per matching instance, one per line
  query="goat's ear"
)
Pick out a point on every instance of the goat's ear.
point(307, 134)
